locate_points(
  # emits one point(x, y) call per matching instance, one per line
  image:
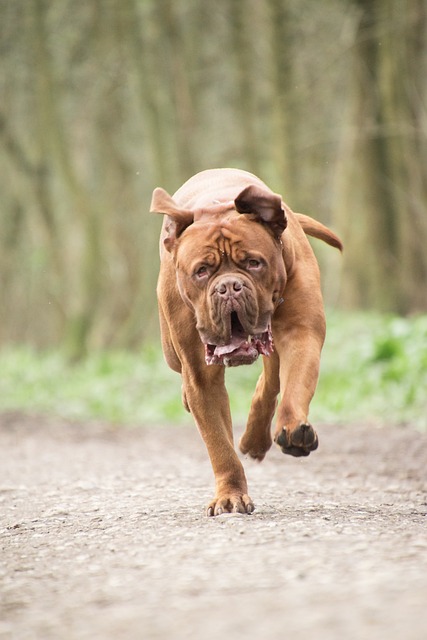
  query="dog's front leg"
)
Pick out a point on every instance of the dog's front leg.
point(299, 333)
point(207, 400)
point(256, 440)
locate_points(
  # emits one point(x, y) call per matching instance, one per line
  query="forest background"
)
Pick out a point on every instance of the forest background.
point(103, 100)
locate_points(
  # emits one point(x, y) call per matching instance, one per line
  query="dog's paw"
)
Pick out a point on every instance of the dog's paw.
point(230, 503)
point(298, 442)
point(255, 447)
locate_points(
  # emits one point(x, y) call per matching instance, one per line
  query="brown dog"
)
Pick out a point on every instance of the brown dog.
point(238, 276)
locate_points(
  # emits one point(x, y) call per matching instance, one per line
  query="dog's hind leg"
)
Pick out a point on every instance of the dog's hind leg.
point(256, 440)
point(169, 351)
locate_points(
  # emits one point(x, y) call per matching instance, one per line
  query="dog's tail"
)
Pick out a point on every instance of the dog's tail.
point(318, 230)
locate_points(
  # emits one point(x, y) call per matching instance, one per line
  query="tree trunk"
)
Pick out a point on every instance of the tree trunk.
point(82, 294)
point(245, 94)
point(284, 113)
point(386, 169)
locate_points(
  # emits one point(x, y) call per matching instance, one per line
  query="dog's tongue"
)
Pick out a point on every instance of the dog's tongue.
point(235, 343)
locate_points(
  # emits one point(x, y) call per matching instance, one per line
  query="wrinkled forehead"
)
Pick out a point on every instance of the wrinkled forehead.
point(236, 231)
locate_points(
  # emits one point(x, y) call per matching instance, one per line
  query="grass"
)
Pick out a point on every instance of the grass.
point(374, 368)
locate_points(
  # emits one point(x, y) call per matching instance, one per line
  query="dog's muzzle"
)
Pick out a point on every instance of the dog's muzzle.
point(234, 318)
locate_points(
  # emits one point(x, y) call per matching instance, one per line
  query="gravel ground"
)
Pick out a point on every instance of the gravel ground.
point(103, 535)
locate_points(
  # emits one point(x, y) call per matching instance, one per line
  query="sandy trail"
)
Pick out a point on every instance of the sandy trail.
point(103, 536)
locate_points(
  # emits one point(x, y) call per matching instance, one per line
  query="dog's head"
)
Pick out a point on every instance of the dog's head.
point(230, 270)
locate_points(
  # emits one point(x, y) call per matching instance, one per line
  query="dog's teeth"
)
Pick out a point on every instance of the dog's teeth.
point(249, 339)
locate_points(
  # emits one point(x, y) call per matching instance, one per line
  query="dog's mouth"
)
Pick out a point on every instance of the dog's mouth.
point(243, 348)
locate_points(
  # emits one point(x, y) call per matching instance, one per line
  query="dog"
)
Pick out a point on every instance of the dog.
point(238, 278)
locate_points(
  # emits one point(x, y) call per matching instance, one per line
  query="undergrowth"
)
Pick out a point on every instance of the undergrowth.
point(374, 368)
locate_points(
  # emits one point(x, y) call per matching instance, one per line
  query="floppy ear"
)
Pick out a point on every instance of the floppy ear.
point(265, 206)
point(178, 219)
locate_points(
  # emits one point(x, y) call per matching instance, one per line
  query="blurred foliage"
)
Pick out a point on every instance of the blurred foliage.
point(374, 368)
point(103, 101)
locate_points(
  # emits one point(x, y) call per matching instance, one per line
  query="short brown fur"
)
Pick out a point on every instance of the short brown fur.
point(237, 275)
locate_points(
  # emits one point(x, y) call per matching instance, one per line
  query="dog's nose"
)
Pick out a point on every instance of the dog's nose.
point(230, 286)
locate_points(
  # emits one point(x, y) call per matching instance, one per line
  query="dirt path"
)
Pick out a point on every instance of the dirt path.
point(103, 536)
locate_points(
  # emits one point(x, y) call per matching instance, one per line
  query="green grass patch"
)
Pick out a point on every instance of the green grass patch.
point(373, 368)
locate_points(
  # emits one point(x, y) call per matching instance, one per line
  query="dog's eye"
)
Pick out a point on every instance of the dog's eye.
point(202, 272)
point(253, 264)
